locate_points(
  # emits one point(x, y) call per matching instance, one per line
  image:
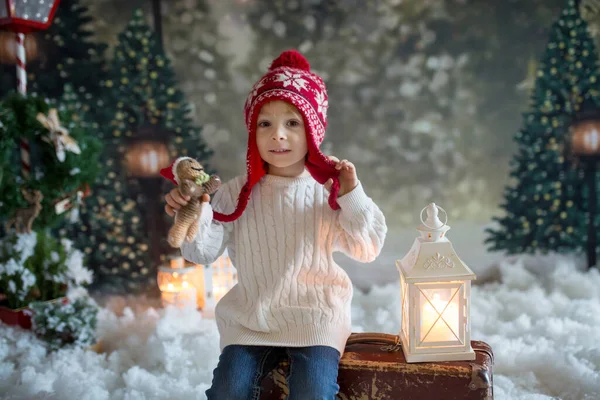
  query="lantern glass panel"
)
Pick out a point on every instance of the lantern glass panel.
point(224, 277)
point(591, 140)
point(586, 138)
point(440, 314)
point(32, 10)
point(146, 158)
point(3, 10)
point(405, 316)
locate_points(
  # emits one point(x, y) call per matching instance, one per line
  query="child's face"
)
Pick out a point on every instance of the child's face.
point(281, 138)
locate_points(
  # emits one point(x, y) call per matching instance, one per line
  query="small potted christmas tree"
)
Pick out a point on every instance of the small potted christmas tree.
point(48, 158)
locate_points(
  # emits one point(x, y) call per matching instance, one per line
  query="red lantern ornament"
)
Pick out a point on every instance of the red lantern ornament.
point(26, 16)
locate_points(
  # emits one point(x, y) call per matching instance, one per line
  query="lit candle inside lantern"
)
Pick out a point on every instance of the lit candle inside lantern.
point(441, 331)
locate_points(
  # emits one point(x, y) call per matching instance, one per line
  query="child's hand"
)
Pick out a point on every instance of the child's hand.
point(348, 177)
point(175, 200)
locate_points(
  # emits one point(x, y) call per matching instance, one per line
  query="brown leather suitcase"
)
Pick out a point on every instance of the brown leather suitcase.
point(373, 368)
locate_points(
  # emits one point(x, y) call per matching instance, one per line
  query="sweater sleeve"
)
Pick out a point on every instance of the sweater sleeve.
point(360, 227)
point(213, 237)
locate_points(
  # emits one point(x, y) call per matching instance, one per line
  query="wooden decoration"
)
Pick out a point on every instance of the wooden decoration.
point(24, 217)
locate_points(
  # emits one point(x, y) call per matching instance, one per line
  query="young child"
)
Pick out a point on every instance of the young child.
point(281, 223)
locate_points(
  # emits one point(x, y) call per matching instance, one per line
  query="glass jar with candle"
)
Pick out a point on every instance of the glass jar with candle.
point(179, 283)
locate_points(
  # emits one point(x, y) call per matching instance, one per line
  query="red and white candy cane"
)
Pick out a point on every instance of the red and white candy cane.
point(21, 66)
point(22, 87)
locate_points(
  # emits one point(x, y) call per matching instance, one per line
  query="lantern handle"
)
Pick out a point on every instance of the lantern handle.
point(439, 208)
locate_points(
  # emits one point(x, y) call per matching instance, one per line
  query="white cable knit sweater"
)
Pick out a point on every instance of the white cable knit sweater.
point(290, 292)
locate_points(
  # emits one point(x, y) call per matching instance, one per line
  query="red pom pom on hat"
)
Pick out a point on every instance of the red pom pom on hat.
point(291, 59)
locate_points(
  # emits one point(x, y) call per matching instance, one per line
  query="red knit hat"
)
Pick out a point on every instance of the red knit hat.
point(288, 79)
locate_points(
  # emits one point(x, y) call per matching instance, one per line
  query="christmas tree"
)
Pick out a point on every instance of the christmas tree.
point(146, 124)
point(63, 54)
point(49, 153)
point(63, 151)
point(143, 91)
point(198, 57)
point(112, 234)
point(545, 204)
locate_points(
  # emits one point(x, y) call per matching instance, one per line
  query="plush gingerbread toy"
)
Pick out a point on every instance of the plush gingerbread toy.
point(194, 182)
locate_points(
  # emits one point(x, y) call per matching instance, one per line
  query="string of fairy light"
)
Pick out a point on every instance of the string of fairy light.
point(148, 68)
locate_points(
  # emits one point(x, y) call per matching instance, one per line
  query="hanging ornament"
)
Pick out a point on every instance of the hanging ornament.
point(74, 214)
point(59, 135)
point(67, 203)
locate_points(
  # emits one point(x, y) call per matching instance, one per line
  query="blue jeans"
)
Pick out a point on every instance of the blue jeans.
point(312, 372)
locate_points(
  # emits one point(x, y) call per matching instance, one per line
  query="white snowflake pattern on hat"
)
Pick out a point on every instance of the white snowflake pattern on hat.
point(322, 103)
point(254, 91)
point(290, 78)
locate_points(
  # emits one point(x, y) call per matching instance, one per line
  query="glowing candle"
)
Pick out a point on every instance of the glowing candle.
point(440, 331)
point(179, 298)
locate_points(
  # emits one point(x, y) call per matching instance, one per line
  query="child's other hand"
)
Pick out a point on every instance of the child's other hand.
point(348, 177)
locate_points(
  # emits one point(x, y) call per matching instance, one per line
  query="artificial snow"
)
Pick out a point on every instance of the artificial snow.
point(540, 315)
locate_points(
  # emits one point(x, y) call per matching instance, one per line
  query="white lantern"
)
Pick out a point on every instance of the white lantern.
point(436, 289)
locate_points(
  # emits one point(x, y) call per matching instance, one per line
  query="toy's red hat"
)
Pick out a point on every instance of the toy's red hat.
point(170, 172)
